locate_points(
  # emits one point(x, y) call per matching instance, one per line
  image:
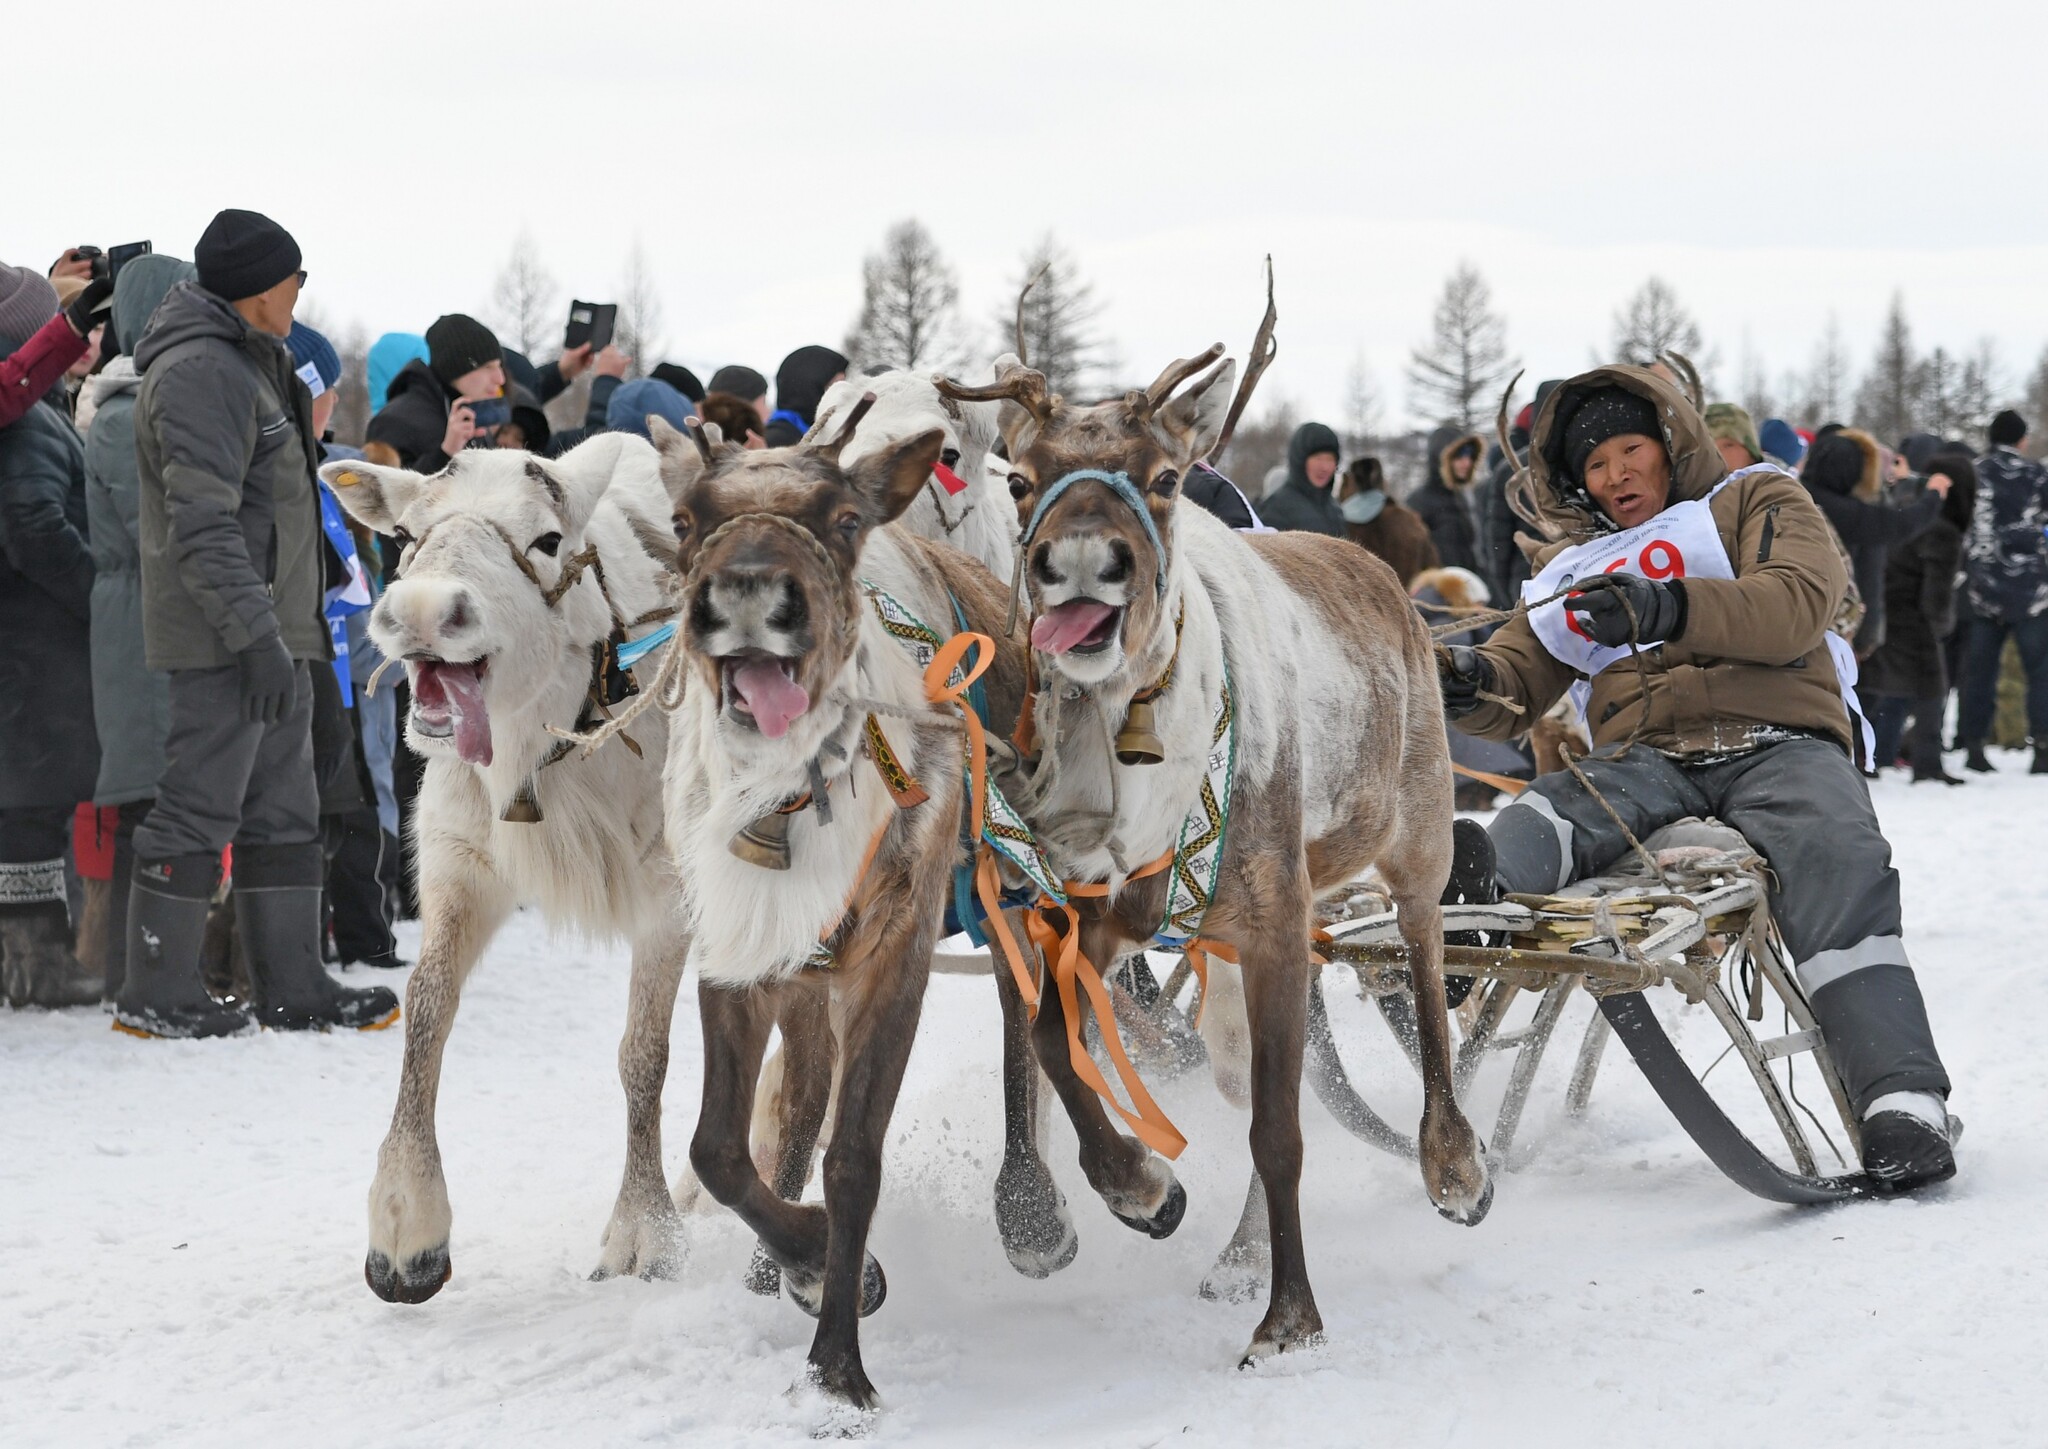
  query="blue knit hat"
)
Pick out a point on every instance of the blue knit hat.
point(1781, 441)
point(389, 355)
point(627, 412)
point(314, 357)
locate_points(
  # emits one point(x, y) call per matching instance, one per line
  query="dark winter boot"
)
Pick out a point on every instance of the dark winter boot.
point(1902, 1151)
point(40, 968)
point(2040, 765)
point(1926, 760)
point(1975, 760)
point(1472, 883)
point(277, 913)
point(161, 993)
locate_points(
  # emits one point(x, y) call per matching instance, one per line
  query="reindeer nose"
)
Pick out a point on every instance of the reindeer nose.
point(1041, 566)
point(1120, 564)
point(428, 615)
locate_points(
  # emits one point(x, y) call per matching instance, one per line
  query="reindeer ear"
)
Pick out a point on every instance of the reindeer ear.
point(1191, 423)
point(681, 462)
point(576, 481)
point(888, 481)
point(372, 494)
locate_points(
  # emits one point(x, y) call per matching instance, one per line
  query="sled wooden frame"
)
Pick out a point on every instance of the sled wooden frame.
point(1697, 942)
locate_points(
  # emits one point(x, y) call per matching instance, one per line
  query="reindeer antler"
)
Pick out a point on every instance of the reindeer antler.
point(1264, 349)
point(694, 426)
point(1689, 378)
point(845, 434)
point(1022, 355)
point(1018, 384)
point(1177, 372)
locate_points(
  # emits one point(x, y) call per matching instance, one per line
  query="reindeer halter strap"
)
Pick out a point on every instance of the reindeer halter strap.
point(1118, 483)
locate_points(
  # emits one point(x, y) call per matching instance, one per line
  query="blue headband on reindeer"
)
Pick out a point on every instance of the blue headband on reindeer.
point(1118, 483)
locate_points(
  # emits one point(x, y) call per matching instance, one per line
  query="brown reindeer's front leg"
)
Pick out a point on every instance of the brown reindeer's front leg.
point(409, 1214)
point(642, 1236)
point(1031, 1214)
point(877, 997)
point(1275, 931)
point(802, 1073)
point(736, 1023)
point(1137, 1186)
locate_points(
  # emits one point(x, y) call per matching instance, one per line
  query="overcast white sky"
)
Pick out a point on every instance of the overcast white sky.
point(1775, 162)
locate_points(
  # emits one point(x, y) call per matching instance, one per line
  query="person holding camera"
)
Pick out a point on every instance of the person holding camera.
point(232, 572)
point(47, 352)
point(437, 407)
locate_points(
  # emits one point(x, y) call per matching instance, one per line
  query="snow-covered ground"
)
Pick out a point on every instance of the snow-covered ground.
point(182, 1239)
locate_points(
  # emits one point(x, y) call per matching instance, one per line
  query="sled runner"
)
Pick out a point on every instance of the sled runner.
point(1703, 930)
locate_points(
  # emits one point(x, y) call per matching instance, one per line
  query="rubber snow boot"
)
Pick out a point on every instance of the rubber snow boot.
point(277, 913)
point(2040, 765)
point(1903, 1150)
point(1927, 765)
point(161, 991)
point(41, 969)
point(1472, 883)
point(1975, 759)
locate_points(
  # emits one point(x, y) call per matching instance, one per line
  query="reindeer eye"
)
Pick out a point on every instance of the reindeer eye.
point(547, 543)
point(1020, 486)
point(1165, 483)
point(684, 526)
point(400, 537)
point(951, 457)
point(847, 523)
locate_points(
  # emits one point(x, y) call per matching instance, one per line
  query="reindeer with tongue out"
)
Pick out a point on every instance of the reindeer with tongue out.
point(517, 577)
point(1230, 724)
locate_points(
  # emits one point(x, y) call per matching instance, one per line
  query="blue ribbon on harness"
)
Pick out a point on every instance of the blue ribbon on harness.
point(1118, 483)
point(632, 651)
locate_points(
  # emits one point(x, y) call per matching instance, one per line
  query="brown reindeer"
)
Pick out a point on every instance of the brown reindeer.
point(814, 798)
point(1163, 639)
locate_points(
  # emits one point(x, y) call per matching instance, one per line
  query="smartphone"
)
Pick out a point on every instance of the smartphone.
point(592, 323)
point(489, 412)
point(122, 255)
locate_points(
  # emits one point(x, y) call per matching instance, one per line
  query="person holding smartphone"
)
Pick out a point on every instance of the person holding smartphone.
point(47, 351)
point(436, 408)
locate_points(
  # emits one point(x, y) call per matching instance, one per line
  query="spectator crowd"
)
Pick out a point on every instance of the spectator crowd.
point(203, 800)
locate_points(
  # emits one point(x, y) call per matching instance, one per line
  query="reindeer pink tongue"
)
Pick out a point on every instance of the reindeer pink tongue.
point(1063, 626)
point(771, 696)
point(457, 690)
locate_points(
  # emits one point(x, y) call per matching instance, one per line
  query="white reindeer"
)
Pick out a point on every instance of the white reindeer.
point(517, 576)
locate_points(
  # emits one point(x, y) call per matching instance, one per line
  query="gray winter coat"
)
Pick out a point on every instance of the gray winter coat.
point(130, 701)
point(229, 522)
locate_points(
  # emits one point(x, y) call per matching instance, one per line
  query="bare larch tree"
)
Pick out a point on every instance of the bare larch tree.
point(1364, 414)
point(1654, 322)
point(1823, 392)
point(523, 298)
point(1455, 378)
point(639, 329)
point(1058, 319)
point(1888, 404)
point(909, 305)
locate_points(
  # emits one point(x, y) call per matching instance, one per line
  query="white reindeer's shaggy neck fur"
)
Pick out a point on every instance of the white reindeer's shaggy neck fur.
point(750, 924)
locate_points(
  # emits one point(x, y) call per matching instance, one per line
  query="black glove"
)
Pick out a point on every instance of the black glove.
point(269, 680)
point(1463, 673)
point(89, 308)
point(1604, 613)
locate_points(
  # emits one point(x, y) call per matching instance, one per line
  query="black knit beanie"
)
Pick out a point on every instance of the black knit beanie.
point(244, 254)
point(680, 378)
point(741, 381)
point(1607, 412)
point(457, 344)
point(2007, 429)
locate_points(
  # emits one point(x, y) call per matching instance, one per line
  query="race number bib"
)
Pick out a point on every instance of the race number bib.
point(1679, 543)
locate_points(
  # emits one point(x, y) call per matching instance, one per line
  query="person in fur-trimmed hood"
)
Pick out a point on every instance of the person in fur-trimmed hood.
point(1845, 474)
point(1452, 502)
point(1736, 707)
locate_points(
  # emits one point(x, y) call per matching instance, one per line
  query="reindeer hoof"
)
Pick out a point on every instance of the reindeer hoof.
point(1162, 1223)
point(762, 1277)
point(1474, 1215)
point(853, 1405)
point(420, 1279)
point(809, 1294)
point(1032, 1218)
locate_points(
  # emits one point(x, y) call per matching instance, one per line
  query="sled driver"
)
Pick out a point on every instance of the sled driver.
point(1741, 710)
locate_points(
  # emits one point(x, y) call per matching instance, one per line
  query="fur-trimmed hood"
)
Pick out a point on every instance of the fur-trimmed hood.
point(1442, 444)
point(1457, 588)
point(1558, 506)
point(1849, 463)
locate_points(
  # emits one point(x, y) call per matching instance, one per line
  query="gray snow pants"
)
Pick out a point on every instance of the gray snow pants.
point(226, 780)
point(1802, 804)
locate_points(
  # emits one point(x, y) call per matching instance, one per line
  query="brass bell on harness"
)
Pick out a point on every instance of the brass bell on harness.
point(1137, 743)
point(524, 807)
point(764, 843)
